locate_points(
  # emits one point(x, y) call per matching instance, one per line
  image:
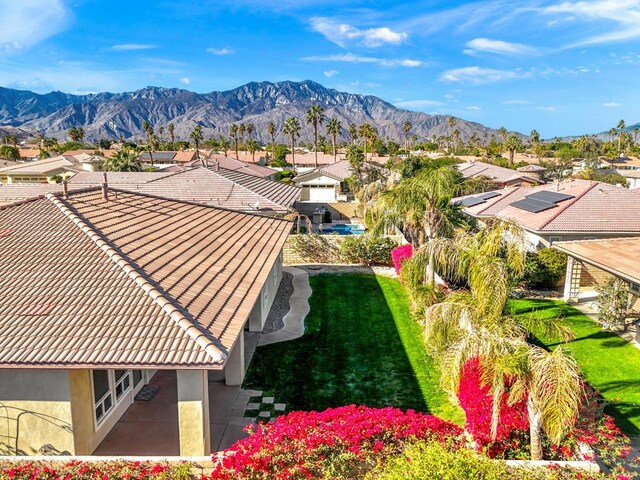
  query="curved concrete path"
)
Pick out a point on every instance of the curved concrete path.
point(298, 310)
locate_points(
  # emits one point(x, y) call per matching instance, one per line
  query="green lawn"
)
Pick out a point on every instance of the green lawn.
point(361, 346)
point(609, 363)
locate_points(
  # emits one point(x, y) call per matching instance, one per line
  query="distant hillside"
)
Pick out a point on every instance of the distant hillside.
point(108, 115)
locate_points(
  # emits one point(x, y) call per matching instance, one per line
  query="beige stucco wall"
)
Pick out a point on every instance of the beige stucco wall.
point(85, 441)
point(35, 410)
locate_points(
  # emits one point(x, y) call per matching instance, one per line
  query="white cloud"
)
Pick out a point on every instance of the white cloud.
point(422, 103)
point(25, 23)
point(479, 75)
point(498, 46)
point(611, 104)
point(341, 33)
point(351, 58)
point(474, 108)
point(221, 51)
point(546, 109)
point(127, 47)
point(185, 80)
point(516, 102)
point(330, 73)
point(623, 14)
point(35, 84)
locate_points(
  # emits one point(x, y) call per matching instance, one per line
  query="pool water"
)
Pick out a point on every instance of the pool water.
point(344, 229)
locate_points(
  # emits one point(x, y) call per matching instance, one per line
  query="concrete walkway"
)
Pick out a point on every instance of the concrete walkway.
point(298, 310)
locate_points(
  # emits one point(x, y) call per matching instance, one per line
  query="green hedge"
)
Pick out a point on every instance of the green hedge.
point(544, 268)
point(367, 250)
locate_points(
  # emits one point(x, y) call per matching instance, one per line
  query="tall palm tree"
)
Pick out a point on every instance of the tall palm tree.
point(250, 128)
point(197, 137)
point(406, 128)
point(333, 128)
point(292, 128)
point(368, 134)
point(224, 145)
point(271, 130)
point(512, 144)
point(171, 127)
point(160, 132)
point(535, 140)
point(122, 161)
point(503, 133)
point(233, 133)
point(315, 117)
point(148, 129)
point(621, 126)
point(635, 135)
point(456, 137)
point(242, 128)
point(353, 133)
point(252, 146)
point(420, 207)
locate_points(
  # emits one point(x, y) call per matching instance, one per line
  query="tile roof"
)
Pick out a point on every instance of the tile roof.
point(596, 207)
point(132, 282)
point(7, 163)
point(164, 156)
point(494, 172)
point(185, 156)
point(41, 167)
point(223, 188)
point(18, 192)
point(619, 256)
point(239, 165)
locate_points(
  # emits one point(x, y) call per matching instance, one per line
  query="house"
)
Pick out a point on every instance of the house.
point(38, 171)
point(29, 154)
point(569, 210)
point(593, 262)
point(229, 163)
point(102, 288)
point(207, 186)
point(88, 162)
point(503, 177)
point(327, 184)
point(161, 158)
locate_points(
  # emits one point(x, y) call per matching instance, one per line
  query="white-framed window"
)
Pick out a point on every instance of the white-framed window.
point(109, 389)
point(635, 288)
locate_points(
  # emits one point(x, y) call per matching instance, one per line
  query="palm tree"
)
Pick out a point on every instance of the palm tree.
point(292, 128)
point(196, 136)
point(406, 128)
point(512, 144)
point(621, 126)
point(271, 130)
point(250, 128)
point(76, 134)
point(612, 133)
point(353, 133)
point(635, 135)
point(122, 161)
point(224, 145)
point(333, 128)
point(535, 140)
point(171, 128)
point(233, 133)
point(368, 134)
point(420, 207)
point(456, 136)
point(146, 126)
point(242, 128)
point(252, 146)
point(160, 132)
point(315, 117)
point(503, 133)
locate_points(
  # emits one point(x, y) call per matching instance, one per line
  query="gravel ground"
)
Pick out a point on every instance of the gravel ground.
point(280, 305)
point(317, 268)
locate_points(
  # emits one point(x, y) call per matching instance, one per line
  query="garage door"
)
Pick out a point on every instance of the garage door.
point(322, 193)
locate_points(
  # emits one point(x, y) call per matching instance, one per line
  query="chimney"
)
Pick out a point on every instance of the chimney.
point(216, 166)
point(206, 162)
point(105, 191)
point(65, 188)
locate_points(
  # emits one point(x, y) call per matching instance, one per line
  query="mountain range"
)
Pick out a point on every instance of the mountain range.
point(115, 115)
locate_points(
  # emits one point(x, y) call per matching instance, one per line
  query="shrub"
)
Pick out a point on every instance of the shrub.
point(434, 461)
point(399, 254)
point(315, 248)
point(342, 442)
point(367, 249)
point(613, 297)
point(76, 470)
point(477, 402)
point(544, 268)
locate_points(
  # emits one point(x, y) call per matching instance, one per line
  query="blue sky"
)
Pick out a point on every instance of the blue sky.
point(562, 67)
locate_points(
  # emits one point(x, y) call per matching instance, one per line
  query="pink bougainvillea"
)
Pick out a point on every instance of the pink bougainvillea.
point(477, 402)
point(310, 444)
point(399, 254)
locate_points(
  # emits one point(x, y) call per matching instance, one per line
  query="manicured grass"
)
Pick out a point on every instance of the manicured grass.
point(361, 346)
point(609, 363)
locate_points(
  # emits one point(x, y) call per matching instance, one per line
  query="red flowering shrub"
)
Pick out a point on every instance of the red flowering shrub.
point(76, 470)
point(477, 402)
point(399, 254)
point(343, 441)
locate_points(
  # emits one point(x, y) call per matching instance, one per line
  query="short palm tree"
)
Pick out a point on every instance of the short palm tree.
point(122, 161)
point(333, 128)
point(292, 128)
point(197, 137)
point(253, 147)
point(503, 133)
point(271, 130)
point(315, 117)
point(353, 133)
point(512, 144)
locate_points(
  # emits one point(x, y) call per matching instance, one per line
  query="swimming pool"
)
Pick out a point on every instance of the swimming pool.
point(344, 229)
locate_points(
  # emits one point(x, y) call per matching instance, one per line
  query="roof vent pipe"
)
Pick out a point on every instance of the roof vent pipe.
point(65, 188)
point(105, 192)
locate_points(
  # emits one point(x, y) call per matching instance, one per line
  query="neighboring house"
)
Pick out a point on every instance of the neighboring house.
point(569, 210)
point(632, 176)
point(102, 288)
point(208, 186)
point(29, 154)
point(162, 158)
point(308, 159)
point(38, 171)
point(19, 192)
point(88, 162)
point(503, 177)
point(236, 165)
point(592, 262)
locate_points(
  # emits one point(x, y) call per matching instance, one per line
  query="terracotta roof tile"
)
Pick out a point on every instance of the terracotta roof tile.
point(42, 167)
point(136, 281)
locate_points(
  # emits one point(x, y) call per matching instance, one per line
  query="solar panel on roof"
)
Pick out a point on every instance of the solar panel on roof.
point(533, 205)
point(488, 195)
point(548, 196)
point(471, 201)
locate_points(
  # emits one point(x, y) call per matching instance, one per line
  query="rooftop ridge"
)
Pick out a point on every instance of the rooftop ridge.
point(216, 352)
